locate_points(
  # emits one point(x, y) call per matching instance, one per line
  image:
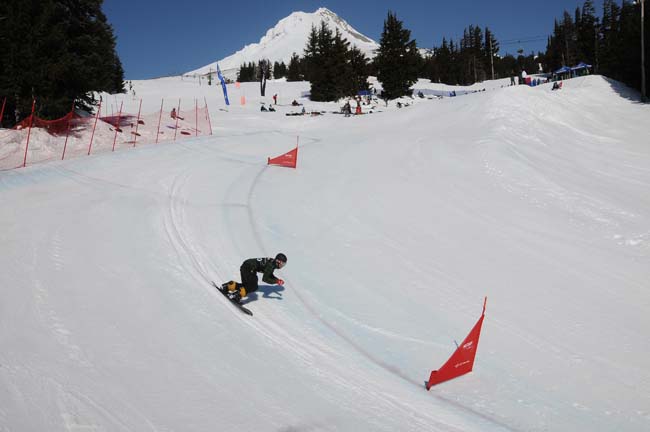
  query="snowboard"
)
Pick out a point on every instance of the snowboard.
point(239, 306)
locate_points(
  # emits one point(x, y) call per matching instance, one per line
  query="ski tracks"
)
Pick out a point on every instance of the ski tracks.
point(273, 330)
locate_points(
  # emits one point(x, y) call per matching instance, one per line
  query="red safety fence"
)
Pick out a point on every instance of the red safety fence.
point(35, 140)
point(53, 127)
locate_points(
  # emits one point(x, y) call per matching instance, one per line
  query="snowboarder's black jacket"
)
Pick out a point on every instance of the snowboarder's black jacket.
point(261, 265)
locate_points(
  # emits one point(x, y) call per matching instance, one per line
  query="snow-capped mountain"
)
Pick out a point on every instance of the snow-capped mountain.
point(289, 35)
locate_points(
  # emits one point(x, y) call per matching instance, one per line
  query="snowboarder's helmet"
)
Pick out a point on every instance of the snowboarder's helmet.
point(281, 257)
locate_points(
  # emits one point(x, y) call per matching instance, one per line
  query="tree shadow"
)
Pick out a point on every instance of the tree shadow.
point(624, 91)
point(273, 292)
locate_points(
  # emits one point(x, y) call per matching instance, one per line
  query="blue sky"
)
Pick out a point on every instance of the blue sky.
point(164, 37)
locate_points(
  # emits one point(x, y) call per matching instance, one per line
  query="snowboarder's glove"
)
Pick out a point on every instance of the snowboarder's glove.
point(242, 292)
point(280, 282)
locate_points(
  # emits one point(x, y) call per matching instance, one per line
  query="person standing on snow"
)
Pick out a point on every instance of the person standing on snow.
point(249, 269)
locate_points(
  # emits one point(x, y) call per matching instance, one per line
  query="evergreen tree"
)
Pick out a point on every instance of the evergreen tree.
point(628, 69)
point(443, 63)
point(318, 64)
point(359, 72)
point(311, 55)
point(490, 52)
point(333, 69)
point(610, 43)
point(469, 61)
point(586, 33)
point(506, 66)
point(294, 70)
point(279, 70)
point(339, 68)
point(248, 72)
point(554, 52)
point(397, 59)
point(569, 39)
point(56, 52)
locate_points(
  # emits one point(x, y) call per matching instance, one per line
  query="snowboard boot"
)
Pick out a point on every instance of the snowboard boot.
point(230, 286)
point(237, 295)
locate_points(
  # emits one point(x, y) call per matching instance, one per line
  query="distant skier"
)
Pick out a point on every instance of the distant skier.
point(174, 115)
point(347, 110)
point(249, 269)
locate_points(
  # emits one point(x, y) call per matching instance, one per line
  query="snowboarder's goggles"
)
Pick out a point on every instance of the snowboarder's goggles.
point(280, 263)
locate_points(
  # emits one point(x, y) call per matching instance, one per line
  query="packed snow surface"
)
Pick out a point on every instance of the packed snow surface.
point(396, 224)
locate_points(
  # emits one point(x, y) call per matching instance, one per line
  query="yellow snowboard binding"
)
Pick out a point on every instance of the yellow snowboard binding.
point(235, 291)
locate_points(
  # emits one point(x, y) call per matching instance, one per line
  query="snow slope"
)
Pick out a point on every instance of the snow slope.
point(396, 225)
point(289, 36)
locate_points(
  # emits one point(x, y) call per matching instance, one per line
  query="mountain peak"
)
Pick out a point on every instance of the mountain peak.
point(289, 36)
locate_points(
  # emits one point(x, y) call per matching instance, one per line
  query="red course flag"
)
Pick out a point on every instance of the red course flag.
point(462, 360)
point(289, 159)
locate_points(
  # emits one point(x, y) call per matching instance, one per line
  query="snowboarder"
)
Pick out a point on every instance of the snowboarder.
point(275, 99)
point(249, 270)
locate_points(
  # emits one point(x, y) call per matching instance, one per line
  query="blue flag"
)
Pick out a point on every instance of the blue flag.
point(223, 85)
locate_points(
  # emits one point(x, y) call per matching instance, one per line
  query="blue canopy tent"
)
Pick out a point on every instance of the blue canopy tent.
point(580, 69)
point(562, 73)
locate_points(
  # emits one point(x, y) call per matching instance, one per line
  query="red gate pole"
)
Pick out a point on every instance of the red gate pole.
point(178, 113)
point(67, 131)
point(137, 123)
point(29, 132)
point(207, 114)
point(196, 113)
point(2, 111)
point(159, 118)
point(99, 108)
point(117, 127)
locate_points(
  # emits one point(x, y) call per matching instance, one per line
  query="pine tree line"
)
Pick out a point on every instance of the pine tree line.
point(474, 58)
point(611, 44)
point(251, 71)
point(55, 52)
